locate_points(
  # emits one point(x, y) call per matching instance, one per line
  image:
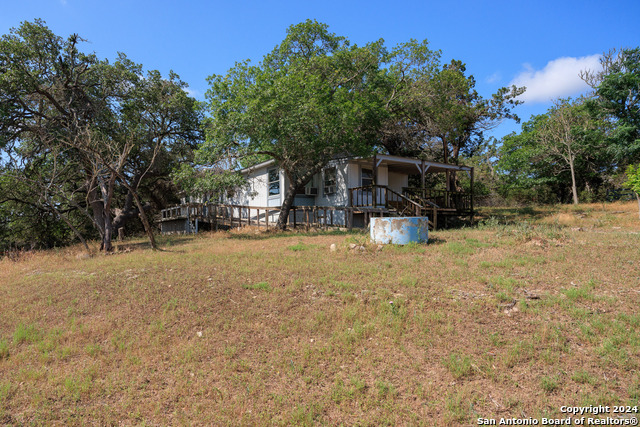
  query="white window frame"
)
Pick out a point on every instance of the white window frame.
point(273, 182)
point(362, 178)
point(330, 186)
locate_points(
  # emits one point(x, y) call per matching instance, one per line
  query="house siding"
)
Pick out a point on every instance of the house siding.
point(348, 175)
point(340, 197)
point(398, 181)
point(256, 193)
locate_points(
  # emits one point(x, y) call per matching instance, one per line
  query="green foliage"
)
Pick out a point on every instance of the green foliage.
point(581, 376)
point(433, 109)
point(617, 99)
point(556, 154)
point(587, 142)
point(458, 408)
point(82, 136)
point(302, 105)
point(633, 178)
point(633, 181)
point(93, 349)
point(207, 182)
point(582, 293)
point(457, 248)
point(26, 224)
point(385, 389)
point(300, 246)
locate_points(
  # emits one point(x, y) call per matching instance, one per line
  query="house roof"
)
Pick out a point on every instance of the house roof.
point(258, 166)
point(395, 163)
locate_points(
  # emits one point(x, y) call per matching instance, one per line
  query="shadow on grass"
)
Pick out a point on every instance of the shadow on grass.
point(164, 243)
point(414, 247)
point(512, 215)
point(292, 233)
point(435, 241)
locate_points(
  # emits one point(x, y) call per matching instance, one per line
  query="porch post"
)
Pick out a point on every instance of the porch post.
point(375, 169)
point(445, 151)
point(471, 179)
point(422, 184)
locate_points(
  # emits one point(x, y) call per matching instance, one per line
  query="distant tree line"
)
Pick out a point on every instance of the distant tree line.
point(580, 149)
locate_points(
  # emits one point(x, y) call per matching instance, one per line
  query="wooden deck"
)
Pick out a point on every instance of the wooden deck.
point(216, 216)
point(413, 202)
point(457, 202)
point(364, 203)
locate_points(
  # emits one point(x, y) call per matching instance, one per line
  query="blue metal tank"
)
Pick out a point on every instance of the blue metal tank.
point(399, 230)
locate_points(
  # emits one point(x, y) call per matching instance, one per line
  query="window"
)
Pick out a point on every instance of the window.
point(329, 180)
point(366, 177)
point(274, 182)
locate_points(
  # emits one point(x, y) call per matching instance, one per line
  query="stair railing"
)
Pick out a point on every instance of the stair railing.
point(381, 195)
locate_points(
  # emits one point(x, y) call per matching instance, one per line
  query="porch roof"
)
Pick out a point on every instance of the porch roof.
point(411, 166)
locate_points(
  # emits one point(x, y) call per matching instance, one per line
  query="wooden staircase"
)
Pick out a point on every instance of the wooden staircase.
point(381, 199)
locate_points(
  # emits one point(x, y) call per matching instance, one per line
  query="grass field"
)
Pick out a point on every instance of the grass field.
point(534, 309)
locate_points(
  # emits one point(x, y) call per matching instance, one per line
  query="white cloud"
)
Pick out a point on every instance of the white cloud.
point(559, 78)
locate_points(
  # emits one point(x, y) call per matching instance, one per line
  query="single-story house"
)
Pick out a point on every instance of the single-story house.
point(351, 186)
point(331, 187)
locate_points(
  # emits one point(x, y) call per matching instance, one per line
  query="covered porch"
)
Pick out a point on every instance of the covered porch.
point(384, 193)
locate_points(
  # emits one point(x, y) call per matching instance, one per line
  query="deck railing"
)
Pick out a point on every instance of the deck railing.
point(444, 199)
point(372, 200)
point(259, 216)
point(382, 196)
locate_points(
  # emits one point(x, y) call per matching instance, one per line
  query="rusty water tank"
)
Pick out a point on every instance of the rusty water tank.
point(399, 230)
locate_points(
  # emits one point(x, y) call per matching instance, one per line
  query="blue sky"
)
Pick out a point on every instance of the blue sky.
point(541, 44)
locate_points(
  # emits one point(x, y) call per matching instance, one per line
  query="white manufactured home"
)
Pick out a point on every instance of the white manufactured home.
point(346, 193)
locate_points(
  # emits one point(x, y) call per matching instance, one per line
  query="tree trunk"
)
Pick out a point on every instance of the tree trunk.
point(97, 207)
point(283, 218)
point(453, 175)
point(445, 156)
point(638, 197)
point(143, 215)
point(108, 231)
point(294, 186)
point(71, 226)
point(145, 221)
point(107, 194)
point(574, 187)
point(77, 233)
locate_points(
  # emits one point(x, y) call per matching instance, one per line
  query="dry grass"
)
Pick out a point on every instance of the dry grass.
point(509, 319)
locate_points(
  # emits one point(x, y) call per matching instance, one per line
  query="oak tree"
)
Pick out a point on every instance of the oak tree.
point(107, 125)
point(304, 104)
